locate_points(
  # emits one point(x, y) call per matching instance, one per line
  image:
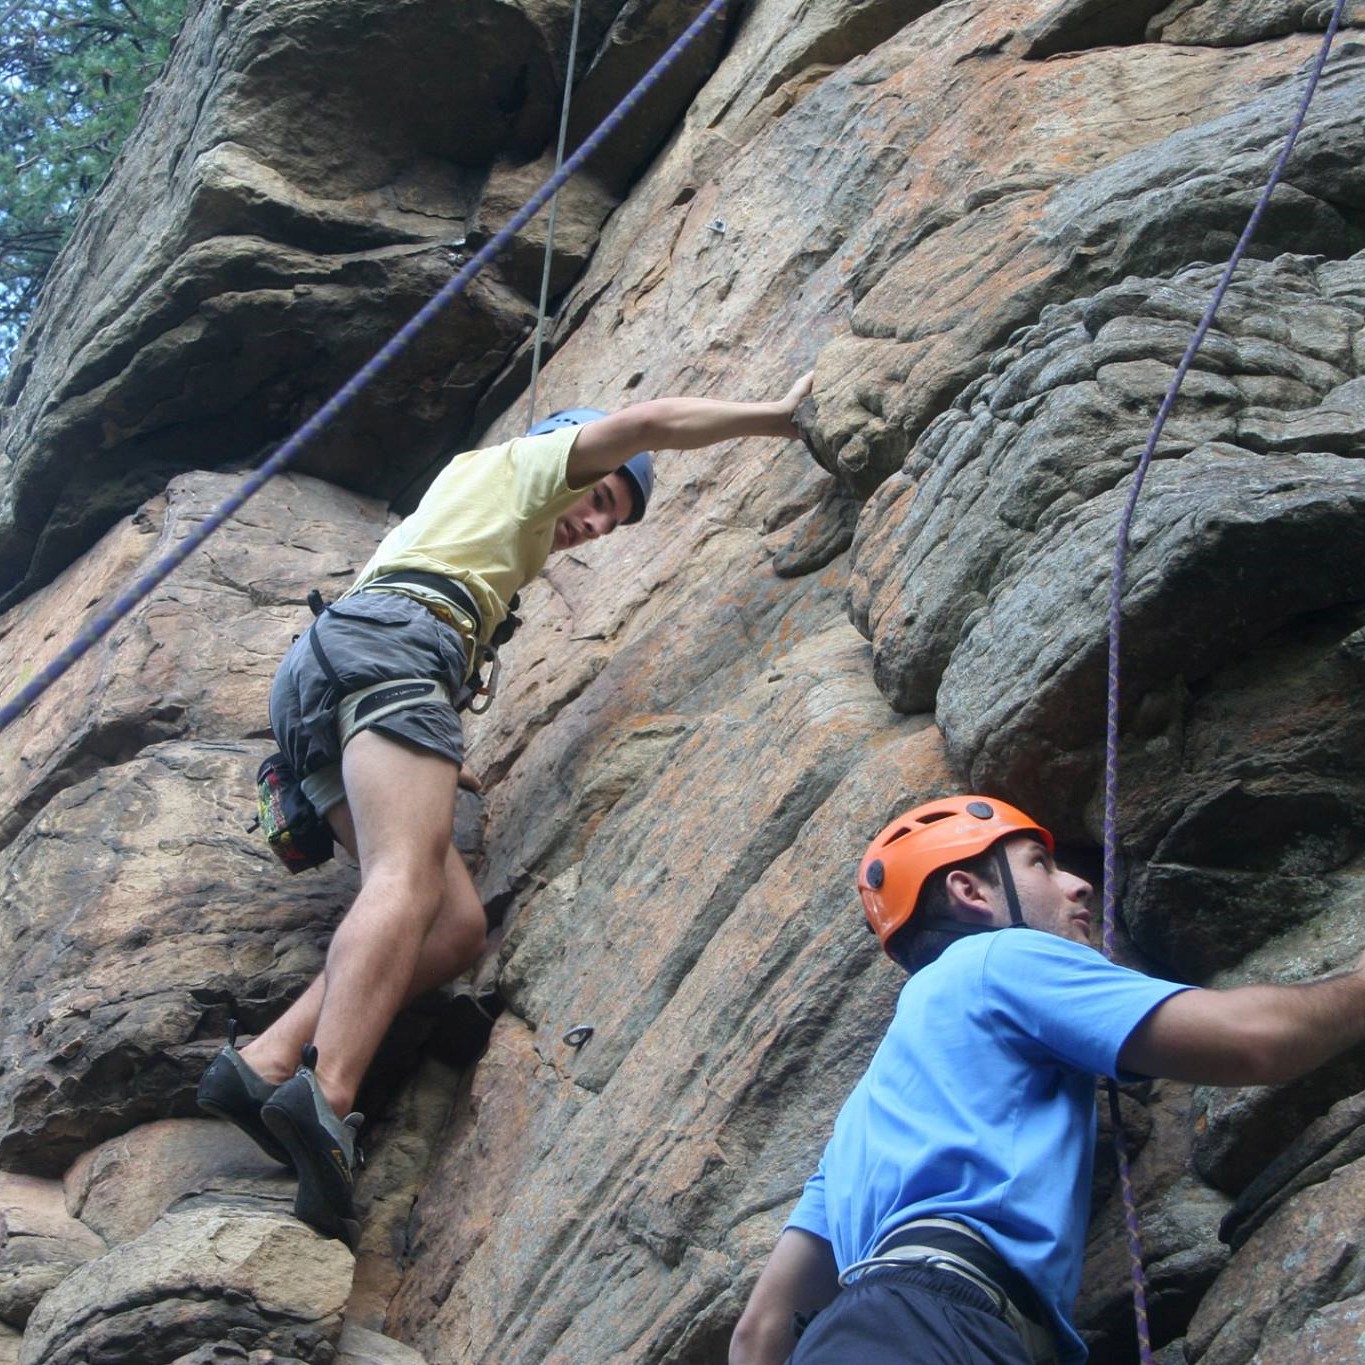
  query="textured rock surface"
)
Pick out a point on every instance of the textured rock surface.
point(680, 1214)
point(1179, 1217)
point(40, 1244)
point(120, 1188)
point(127, 953)
point(361, 1346)
point(271, 1285)
point(1295, 1287)
point(978, 221)
point(197, 656)
point(982, 575)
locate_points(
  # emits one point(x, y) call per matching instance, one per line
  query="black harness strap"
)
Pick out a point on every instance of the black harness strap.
point(323, 662)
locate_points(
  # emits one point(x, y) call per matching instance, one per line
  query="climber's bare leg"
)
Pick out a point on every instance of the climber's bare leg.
point(416, 923)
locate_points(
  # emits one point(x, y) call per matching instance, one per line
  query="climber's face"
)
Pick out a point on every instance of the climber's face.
point(597, 513)
point(1053, 900)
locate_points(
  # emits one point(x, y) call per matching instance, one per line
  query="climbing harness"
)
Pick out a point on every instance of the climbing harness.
point(553, 217)
point(298, 836)
point(146, 582)
point(447, 599)
point(1111, 747)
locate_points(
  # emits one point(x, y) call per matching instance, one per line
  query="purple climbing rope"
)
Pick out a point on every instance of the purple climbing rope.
point(1111, 744)
point(104, 622)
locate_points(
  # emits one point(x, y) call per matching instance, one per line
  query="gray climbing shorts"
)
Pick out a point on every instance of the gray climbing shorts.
point(400, 672)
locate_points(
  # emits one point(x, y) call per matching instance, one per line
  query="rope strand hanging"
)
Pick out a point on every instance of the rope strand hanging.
point(553, 218)
point(1111, 748)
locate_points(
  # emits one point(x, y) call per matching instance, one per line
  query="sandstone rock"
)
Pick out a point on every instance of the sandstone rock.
point(985, 486)
point(303, 179)
point(820, 535)
point(1063, 219)
point(616, 722)
point(1264, 758)
point(142, 914)
point(1296, 1284)
point(1324, 1146)
point(1245, 21)
point(251, 1280)
point(40, 1244)
point(197, 656)
point(689, 753)
point(360, 1346)
point(228, 1353)
point(1178, 1219)
point(676, 1225)
point(400, 1149)
point(583, 206)
point(122, 1187)
point(1074, 25)
point(637, 36)
point(994, 597)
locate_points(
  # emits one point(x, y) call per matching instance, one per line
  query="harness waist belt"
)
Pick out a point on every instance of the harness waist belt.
point(947, 1235)
point(946, 1245)
point(452, 592)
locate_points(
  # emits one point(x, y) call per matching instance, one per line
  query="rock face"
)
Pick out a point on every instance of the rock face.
point(273, 1285)
point(989, 227)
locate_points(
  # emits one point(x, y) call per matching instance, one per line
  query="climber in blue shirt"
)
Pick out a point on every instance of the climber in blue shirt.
point(946, 1222)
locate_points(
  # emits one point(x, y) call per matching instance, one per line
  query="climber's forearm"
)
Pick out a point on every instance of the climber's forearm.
point(678, 424)
point(1252, 1035)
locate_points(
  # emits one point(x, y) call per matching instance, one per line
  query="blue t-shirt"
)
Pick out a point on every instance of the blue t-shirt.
point(980, 1105)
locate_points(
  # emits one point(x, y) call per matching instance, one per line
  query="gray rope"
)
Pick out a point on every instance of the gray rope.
point(554, 214)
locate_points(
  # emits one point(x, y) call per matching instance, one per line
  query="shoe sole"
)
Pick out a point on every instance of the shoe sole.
point(311, 1204)
point(252, 1125)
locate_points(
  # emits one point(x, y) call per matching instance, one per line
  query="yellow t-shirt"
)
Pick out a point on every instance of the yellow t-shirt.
point(488, 521)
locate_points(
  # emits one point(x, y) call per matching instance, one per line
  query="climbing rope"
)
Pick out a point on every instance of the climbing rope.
point(146, 582)
point(553, 218)
point(1111, 748)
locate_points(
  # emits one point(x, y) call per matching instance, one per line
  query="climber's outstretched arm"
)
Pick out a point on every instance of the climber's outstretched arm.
point(677, 424)
point(1251, 1035)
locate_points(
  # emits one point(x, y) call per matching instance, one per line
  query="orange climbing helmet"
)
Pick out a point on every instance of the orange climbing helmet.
point(927, 839)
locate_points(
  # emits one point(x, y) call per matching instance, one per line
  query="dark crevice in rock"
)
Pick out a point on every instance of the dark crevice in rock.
point(864, 25)
point(821, 535)
point(165, 1327)
point(1247, 1138)
point(1329, 1143)
point(1075, 26)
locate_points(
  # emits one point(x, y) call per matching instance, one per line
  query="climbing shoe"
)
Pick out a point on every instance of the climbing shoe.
point(323, 1148)
point(230, 1089)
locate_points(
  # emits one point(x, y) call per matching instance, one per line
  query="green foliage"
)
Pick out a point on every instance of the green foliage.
point(72, 74)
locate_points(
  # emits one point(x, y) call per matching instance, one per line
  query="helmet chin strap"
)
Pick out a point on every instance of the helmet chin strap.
point(1002, 864)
